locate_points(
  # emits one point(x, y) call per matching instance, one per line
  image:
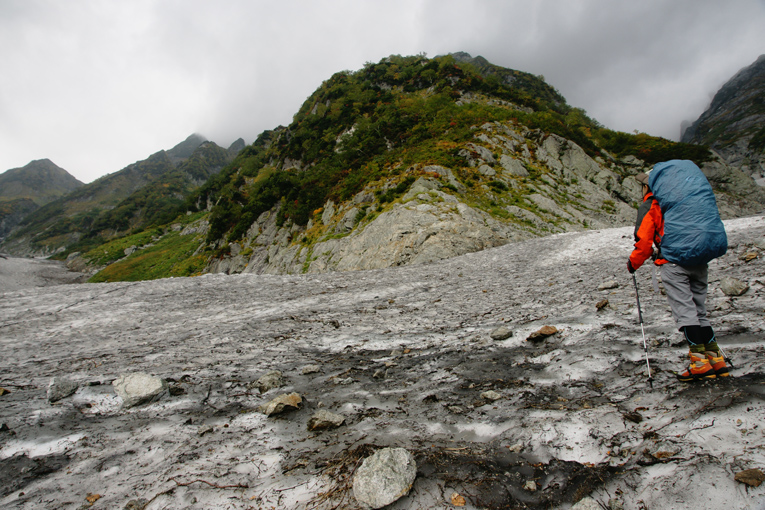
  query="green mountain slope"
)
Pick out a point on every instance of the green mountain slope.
point(410, 160)
point(144, 194)
point(41, 181)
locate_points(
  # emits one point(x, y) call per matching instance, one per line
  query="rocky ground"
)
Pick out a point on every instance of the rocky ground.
point(407, 356)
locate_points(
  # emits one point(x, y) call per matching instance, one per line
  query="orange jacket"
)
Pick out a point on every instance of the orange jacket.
point(649, 229)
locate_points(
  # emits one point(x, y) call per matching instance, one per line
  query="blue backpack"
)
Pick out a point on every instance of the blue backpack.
point(694, 234)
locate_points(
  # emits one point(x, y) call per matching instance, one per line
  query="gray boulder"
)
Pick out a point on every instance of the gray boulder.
point(732, 286)
point(586, 504)
point(270, 381)
point(60, 388)
point(139, 388)
point(384, 477)
point(324, 419)
point(501, 333)
point(281, 404)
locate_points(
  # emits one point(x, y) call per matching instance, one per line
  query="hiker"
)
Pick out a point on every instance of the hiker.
point(685, 284)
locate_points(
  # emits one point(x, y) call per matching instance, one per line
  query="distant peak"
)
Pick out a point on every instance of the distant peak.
point(186, 148)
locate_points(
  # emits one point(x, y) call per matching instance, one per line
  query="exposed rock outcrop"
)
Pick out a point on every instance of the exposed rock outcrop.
point(734, 124)
point(556, 187)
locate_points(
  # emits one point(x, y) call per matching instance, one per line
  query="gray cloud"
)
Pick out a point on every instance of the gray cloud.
point(95, 86)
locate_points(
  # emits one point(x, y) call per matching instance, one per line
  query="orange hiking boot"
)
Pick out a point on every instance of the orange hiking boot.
point(717, 361)
point(699, 369)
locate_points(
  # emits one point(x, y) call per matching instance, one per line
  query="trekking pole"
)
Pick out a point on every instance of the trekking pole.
point(726, 358)
point(642, 330)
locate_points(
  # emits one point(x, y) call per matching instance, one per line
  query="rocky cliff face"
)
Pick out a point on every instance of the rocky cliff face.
point(734, 124)
point(436, 219)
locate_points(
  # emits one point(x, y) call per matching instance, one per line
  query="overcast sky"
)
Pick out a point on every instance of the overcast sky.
point(97, 85)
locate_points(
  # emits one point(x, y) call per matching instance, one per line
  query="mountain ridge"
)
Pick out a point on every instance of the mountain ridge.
point(137, 196)
point(410, 160)
point(734, 123)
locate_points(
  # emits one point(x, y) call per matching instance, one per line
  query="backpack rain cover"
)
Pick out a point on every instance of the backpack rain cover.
point(694, 234)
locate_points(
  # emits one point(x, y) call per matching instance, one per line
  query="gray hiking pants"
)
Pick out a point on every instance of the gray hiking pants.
point(687, 293)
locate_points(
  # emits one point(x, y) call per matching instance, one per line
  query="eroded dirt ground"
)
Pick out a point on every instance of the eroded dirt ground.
point(405, 354)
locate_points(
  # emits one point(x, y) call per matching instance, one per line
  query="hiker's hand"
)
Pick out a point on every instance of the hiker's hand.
point(629, 266)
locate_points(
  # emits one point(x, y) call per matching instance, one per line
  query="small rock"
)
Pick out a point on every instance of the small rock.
point(612, 284)
point(516, 448)
point(587, 504)
point(324, 419)
point(4, 428)
point(384, 477)
point(139, 388)
point(615, 504)
point(457, 500)
point(634, 417)
point(205, 430)
point(530, 486)
point(542, 333)
point(281, 404)
point(750, 477)
point(3, 391)
point(760, 244)
point(379, 374)
point(501, 333)
point(732, 286)
point(601, 304)
point(664, 450)
point(60, 388)
point(269, 381)
point(310, 369)
point(136, 504)
point(749, 256)
point(491, 395)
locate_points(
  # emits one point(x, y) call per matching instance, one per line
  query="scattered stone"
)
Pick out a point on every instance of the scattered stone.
point(732, 286)
point(384, 477)
point(587, 504)
point(3, 391)
point(205, 430)
point(749, 256)
point(664, 450)
point(612, 284)
point(491, 395)
point(136, 504)
point(750, 477)
point(457, 499)
point(281, 404)
point(324, 419)
point(530, 486)
point(139, 388)
point(501, 333)
point(456, 409)
point(176, 390)
point(4, 428)
point(60, 388)
point(516, 448)
point(634, 417)
point(615, 504)
point(760, 244)
point(269, 381)
point(310, 369)
point(601, 304)
point(379, 373)
point(542, 333)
